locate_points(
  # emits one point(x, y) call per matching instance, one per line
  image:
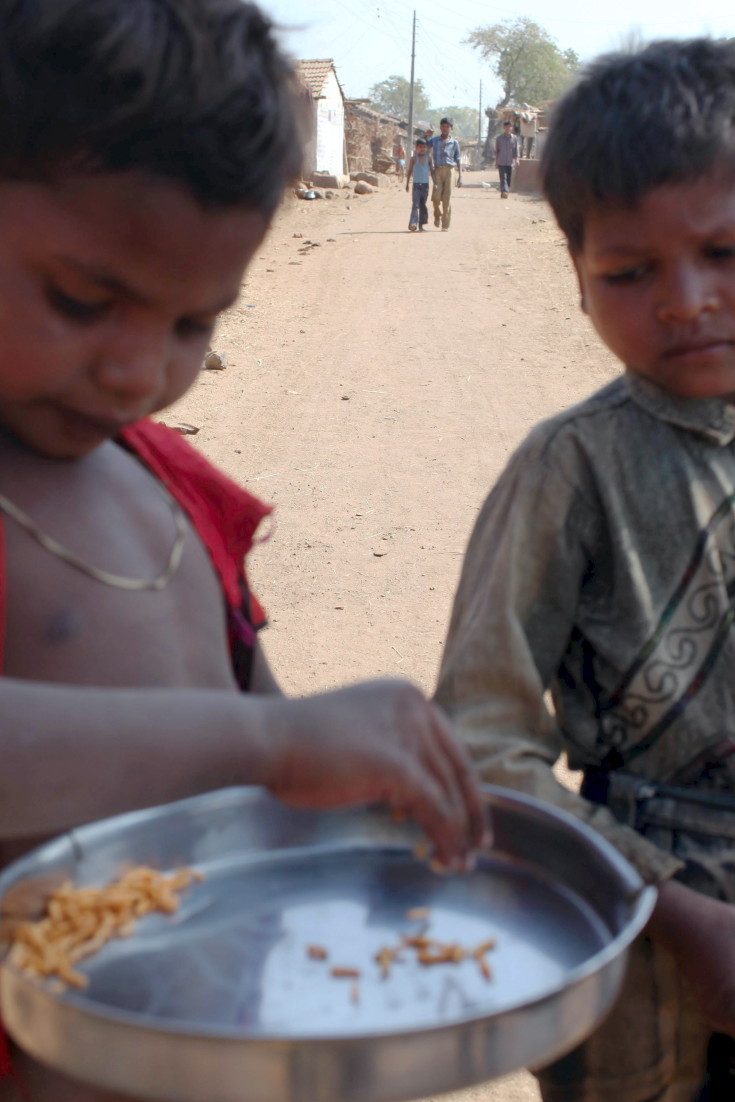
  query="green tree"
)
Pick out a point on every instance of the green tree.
point(526, 60)
point(464, 118)
point(391, 96)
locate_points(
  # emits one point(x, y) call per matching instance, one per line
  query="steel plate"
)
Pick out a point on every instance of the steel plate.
point(222, 1003)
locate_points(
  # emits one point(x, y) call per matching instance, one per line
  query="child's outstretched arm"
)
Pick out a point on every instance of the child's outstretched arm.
point(409, 174)
point(70, 754)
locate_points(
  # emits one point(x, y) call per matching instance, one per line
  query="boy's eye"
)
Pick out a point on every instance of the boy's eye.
point(75, 308)
point(190, 327)
point(627, 275)
point(722, 252)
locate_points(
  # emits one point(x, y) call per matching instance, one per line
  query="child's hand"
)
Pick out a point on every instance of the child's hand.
point(380, 742)
point(699, 932)
point(406, 185)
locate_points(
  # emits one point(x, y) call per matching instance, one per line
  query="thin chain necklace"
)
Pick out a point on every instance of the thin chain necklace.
point(116, 580)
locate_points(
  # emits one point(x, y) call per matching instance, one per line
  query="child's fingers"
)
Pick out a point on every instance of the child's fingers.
point(465, 779)
point(442, 773)
point(460, 792)
point(422, 797)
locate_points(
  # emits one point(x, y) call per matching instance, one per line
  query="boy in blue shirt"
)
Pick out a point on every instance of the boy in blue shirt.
point(447, 156)
point(421, 169)
point(602, 566)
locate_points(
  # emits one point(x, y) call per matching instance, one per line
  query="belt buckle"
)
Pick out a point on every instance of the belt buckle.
point(644, 792)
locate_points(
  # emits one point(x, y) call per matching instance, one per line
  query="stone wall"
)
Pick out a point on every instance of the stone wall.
point(369, 138)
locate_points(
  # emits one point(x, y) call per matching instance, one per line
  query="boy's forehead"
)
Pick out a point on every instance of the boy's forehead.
point(665, 217)
point(128, 229)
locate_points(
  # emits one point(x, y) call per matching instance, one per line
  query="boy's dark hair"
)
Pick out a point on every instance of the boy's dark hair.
point(634, 122)
point(194, 91)
point(421, 141)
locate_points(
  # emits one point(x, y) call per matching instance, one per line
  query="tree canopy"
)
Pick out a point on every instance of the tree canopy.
point(526, 59)
point(464, 118)
point(391, 96)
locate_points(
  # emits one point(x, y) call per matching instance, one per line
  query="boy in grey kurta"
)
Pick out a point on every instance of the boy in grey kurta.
point(602, 566)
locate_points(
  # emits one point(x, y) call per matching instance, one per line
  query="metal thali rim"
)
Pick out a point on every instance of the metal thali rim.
point(641, 909)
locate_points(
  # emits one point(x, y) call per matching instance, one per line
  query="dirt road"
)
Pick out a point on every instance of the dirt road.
point(377, 382)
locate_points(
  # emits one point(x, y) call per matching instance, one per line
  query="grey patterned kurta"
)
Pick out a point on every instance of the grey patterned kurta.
point(602, 567)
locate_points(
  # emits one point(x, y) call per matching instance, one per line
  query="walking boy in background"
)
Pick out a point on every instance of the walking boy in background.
point(506, 157)
point(445, 153)
point(420, 168)
point(399, 154)
point(143, 150)
point(602, 566)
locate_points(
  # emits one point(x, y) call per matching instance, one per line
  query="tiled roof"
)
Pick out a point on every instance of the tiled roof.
point(315, 72)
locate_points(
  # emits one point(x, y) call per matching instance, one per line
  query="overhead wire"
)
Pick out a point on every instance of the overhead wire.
point(440, 64)
point(371, 23)
point(392, 19)
point(486, 13)
point(346, 31)
point(375, 25)
point(455, 88)
point(483, 9)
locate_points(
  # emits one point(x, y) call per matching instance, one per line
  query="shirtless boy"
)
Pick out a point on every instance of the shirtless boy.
point(144, 145)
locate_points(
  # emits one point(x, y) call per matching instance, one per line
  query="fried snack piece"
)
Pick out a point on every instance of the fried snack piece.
point(418, 914)
point(479, 953)
point(80, 921)
point(429, 951)
point(384, 958)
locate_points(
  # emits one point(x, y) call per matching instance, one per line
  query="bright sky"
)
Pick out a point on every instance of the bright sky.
point(371, 39)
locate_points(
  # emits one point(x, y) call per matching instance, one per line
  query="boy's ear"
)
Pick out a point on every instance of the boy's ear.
point(580, 279)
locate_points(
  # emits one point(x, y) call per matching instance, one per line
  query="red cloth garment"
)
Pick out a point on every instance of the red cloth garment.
point(224, 514)
point(7, 1071)
point(2, 597)
point(6, 1064)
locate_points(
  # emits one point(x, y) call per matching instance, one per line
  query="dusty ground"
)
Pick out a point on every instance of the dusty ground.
point(377, 382)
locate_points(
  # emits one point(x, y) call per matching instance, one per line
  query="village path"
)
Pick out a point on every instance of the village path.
point(376, 383)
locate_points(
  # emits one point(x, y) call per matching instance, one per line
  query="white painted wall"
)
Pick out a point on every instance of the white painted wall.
point(310, 145)
point(330, 128)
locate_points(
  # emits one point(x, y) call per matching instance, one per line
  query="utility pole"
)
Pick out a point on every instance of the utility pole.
point(409, 140)
point(479, 129)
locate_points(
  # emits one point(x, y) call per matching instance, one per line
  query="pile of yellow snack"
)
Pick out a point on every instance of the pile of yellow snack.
point(79, 921)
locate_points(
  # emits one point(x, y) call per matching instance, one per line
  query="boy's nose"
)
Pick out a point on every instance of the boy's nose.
point(133, 372)
point(687, 294)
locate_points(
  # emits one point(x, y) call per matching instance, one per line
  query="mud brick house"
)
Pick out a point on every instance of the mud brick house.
point(371, 137)
point(325, 151)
